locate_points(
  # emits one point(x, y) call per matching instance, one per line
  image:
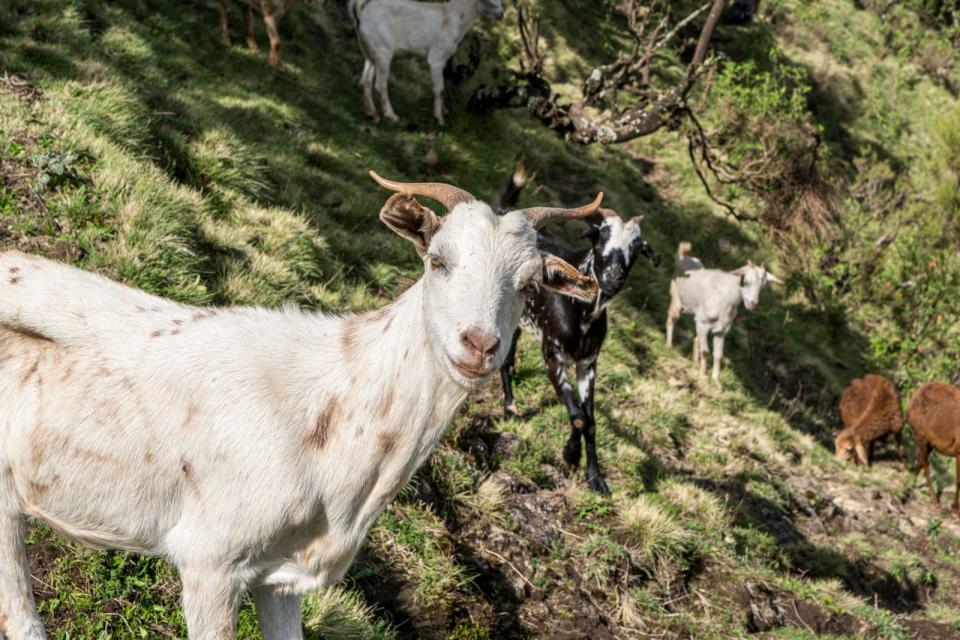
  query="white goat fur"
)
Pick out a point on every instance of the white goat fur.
point(252, 448)
point(713, 297)
point(432, 30)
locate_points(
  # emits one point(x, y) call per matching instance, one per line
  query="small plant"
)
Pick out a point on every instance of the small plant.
point(57, 168)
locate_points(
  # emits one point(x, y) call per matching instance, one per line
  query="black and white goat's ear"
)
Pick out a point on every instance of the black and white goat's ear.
point(562, 277)
point(410, 219)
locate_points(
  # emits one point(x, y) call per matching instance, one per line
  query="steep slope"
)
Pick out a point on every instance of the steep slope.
point(133, 144)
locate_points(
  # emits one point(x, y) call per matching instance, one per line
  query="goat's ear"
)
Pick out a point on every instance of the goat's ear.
point(560, 276)
point(742, 271)
point(410, 219)
point(590, 231)
point(773, 278)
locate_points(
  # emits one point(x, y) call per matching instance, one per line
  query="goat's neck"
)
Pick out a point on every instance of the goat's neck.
point(462, 14)
point(394, 352)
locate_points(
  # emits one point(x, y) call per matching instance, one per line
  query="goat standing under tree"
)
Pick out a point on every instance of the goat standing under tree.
point(272, 11)
point(573, 331)
point(252, 448)
point(433, 30)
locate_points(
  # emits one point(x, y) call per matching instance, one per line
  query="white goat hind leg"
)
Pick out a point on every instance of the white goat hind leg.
point(382, 80)
point(278, 615)
point(18, 614)
point(717, 355)
point(436, 77)
point(211, 599)
point(366, 82)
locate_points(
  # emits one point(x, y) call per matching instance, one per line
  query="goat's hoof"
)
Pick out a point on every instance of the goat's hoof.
point(510, 411)
point(572, 453)
point(597, 484)
point(392, 117)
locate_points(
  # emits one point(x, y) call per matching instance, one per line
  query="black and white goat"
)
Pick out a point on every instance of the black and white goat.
point(572, 332)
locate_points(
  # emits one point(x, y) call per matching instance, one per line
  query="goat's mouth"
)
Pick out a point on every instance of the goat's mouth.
point(470, 371)
point(750, 305)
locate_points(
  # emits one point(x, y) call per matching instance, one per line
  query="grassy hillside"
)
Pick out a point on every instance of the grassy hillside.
point(133, 144)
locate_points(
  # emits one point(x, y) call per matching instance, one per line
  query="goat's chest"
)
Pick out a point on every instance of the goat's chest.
point(565, 326)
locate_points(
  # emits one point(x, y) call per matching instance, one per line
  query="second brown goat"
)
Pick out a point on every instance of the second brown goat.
point(934, 415)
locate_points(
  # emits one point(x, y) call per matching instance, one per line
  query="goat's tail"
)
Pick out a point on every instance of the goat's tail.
point(510, 194)
point(683, 249)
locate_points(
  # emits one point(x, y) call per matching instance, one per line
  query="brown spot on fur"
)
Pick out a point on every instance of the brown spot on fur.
point(14, 280)
point(148, 457)
point(175, 332)
point(140, 309)
point(387, 443)
point(386, 402)
point(156, 334)
point(189, 476)
point(36, 491)
point(14, 269)
point(178, 322)
point(191, 415)
point(30, 372)
point(318, 436)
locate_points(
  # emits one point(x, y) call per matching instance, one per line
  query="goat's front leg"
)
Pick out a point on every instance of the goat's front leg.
point(509, 405)
point(578, 417)
point(382, 80)
point(278, 615)
point(718, 339)
point(702, 343)
point(211, 599)
point(586, 381)
point(224, 23)
point(248, 25)
point(18, 615)
point(436, 77)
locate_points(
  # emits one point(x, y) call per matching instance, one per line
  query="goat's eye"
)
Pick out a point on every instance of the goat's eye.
point(436, 262)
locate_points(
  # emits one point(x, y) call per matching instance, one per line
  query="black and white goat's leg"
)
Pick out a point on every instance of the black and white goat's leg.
point(509, 405)
point(578, 416)
point(586, 381)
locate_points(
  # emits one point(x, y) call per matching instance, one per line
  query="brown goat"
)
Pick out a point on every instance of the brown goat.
point(934, 414)
point(272, 11)
point(870, 410)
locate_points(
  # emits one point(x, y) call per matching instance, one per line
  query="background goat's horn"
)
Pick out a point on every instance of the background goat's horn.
point(446, 194)
point(539, 216)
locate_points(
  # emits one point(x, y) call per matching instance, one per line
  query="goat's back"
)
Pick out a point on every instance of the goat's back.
point(934, 414)
point(871, 406)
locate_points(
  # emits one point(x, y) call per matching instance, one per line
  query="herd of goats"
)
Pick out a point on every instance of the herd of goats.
point(254, 448)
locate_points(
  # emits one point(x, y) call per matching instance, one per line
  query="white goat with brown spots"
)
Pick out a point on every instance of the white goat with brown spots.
point(252, 448)
point(431, 29)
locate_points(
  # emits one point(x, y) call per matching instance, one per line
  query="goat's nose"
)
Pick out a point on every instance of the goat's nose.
point(479, 342)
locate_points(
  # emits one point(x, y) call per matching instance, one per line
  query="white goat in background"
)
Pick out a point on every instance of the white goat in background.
point(252, 448)
point(712, 296)
point(433, 30)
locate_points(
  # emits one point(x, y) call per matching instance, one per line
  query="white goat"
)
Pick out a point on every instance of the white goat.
point(252, 448)
point(433, 30)
point(712, 296)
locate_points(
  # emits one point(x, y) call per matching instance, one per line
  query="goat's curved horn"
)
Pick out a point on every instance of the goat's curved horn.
point(446, 194)
point(539, 216)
